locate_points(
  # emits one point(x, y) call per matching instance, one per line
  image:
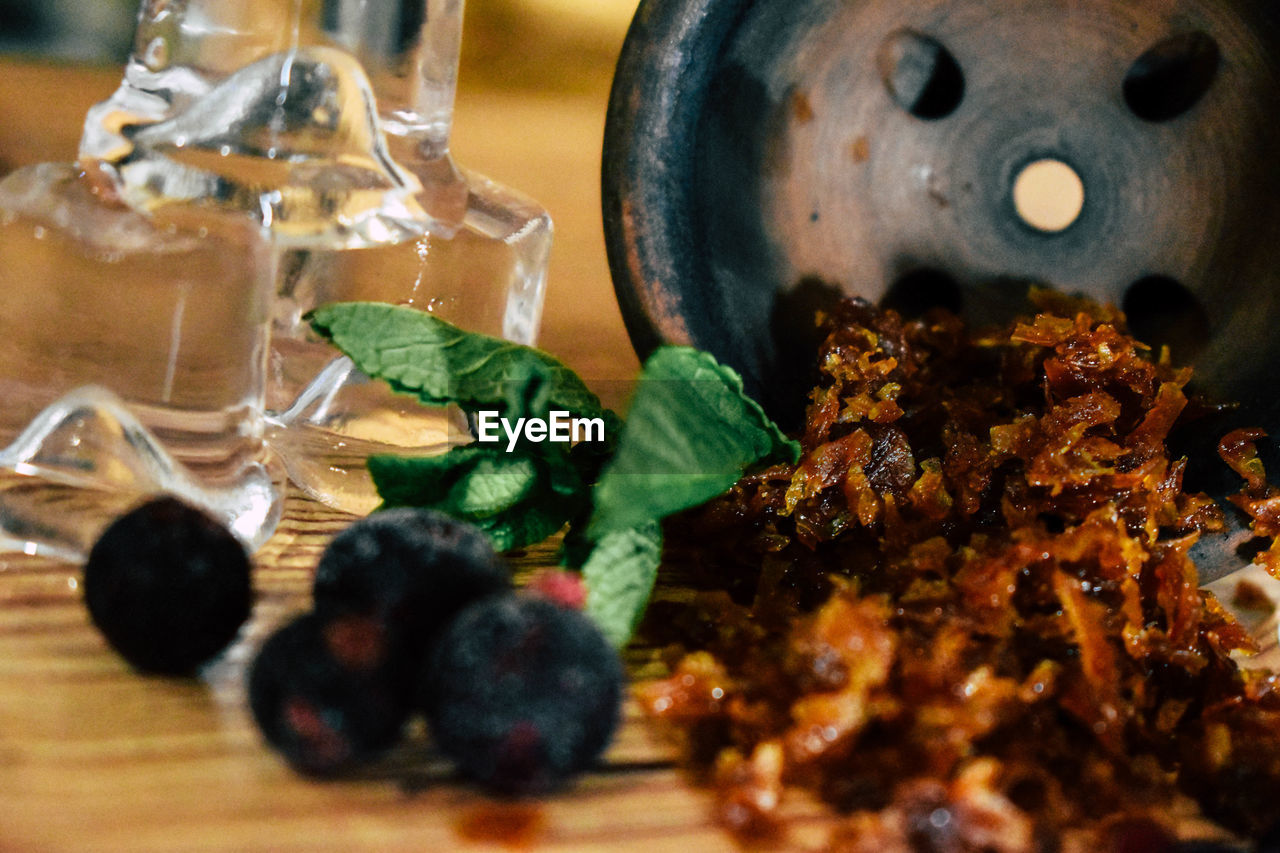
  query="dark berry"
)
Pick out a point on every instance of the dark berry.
point(168, 586)
point(322, 695)
point(522, 693)
point(412, 568)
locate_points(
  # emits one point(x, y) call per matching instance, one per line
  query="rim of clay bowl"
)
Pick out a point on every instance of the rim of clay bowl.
point(670, 55)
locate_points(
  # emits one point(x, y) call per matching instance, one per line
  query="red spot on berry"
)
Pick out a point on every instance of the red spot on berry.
point(325, 746)
point(357, 643)
point(560, 587)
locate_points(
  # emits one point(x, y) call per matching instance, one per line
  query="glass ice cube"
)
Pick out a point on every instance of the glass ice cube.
point(329, 123)
point(170, 312)
point(86, 459)
point(292, 139)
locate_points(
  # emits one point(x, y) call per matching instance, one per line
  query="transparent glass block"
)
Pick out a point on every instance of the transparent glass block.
point(86, 458)
point(170, 312)
point(486, 276)
point(329, 121)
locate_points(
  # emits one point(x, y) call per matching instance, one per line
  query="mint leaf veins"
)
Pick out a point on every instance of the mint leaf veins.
point(420, 354)
point(690, 434)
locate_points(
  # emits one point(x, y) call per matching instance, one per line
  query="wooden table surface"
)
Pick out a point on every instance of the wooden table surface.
point(94, 757)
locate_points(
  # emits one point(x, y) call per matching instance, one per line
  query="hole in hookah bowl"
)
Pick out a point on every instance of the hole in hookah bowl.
point(1171, 76)
point(920, 74)
point(1048, 195)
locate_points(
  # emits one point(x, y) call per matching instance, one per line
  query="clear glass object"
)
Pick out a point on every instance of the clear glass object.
point(170, 311)
point(329, 121)
point(87, 458)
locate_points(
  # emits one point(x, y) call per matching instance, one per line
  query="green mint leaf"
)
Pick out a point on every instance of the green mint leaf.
point(471, 481)
point(420, 354)
point(518, 498)
point(525, 525)
point(690, 434)
point(576, 547)
point(494, 486)
point(619, 574)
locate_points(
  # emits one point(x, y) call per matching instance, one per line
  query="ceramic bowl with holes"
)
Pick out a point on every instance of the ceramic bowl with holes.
point(763, 157)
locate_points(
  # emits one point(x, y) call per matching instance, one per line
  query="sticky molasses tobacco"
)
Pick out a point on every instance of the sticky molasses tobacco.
point(967, 617)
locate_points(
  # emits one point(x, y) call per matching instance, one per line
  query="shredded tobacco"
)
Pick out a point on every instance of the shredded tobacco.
point(966, 619)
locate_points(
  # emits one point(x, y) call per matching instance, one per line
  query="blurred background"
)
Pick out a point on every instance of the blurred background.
point(519, 34)
point(73, 30)
point(533, 88)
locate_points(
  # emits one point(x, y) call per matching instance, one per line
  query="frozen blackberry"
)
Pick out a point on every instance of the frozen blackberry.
point(168, 586)
point(412, 568)
point(522, 693)
point(322, 695)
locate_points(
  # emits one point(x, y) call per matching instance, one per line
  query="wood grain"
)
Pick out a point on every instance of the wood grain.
point(94, 757)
